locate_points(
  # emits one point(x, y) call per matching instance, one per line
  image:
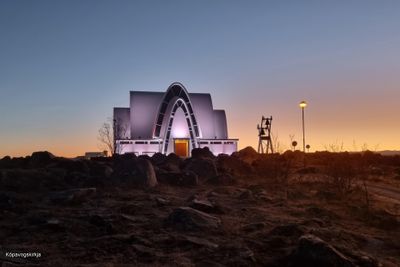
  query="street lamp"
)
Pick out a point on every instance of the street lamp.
point(303, 105)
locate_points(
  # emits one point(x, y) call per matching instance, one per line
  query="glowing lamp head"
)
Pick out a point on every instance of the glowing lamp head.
point(303, 104)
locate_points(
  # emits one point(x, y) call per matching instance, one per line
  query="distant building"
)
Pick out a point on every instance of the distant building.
point(172, 121)
point(89, 155)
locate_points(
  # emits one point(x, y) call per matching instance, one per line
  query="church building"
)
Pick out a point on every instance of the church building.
point(174, 121)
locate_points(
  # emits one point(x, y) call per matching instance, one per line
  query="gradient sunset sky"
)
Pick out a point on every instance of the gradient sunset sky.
point(64, 65)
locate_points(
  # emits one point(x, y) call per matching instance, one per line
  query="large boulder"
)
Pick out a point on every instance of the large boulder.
point(145, 175)
point(171, 163)
point(158, 158)
point(312, 251)
point(202, 153)
point(204, 168)
point(124, 165)
point(135, 171)
point(15, 163)
point(100, 169)
point(233, 165)
point(41, 158)
point(70, 165)
point(5, 162)
point(247, 154)
point(189, 219)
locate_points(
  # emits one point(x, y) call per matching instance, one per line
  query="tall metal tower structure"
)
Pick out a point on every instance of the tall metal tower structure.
point(264, 136)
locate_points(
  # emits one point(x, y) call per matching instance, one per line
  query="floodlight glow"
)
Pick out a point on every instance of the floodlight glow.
point(303, 104)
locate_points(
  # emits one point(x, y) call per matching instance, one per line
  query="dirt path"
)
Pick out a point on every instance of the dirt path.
point(385, 191)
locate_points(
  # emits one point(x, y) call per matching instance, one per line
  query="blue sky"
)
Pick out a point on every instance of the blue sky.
point(65, 64)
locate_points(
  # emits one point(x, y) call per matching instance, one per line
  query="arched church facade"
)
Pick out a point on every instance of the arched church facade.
point(174, 121)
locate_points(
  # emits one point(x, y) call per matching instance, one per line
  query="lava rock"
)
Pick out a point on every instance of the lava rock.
point(24, 179)
point(222, 179)
point(101, 223)
point(146, 175)
point(125, 165)
point(100, 170)
point(189, 219)
point(71, 196)
point(178, 178)
point(204, 168)
point(172, 163)
point(6, 162)
point(41, 158)
point(202, 153)
point(233, 165)
point(203, 205)
point(162, 201)
point(287, 230)
point(158, 158)
point(70, 166)
point(312, 251)
point(6, 201)
point(252, 227)
point(247, 154)
point(197, 241)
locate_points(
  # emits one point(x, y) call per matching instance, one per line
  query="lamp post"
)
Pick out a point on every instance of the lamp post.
point(303, 105)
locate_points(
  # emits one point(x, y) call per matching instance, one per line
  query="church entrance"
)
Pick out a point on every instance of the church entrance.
point(181, 147)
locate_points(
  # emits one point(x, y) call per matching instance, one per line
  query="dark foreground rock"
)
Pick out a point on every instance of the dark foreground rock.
point(247, 154)
point(233, 165)
point(103, 213)
point(41, 158)
point(28, 179)
point(222, 179)
point(185, 178)
point(313, 251)
point(205, 206)
point(135, 171)
point(202, 153)
point(146, 175)
point(189, 219)
point(5, 201)
point(71, 196)
point(205, 168)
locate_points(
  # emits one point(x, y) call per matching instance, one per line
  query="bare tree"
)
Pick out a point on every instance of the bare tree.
point(335, 147)
point(109, 133)
point(364, 147)
point(120, 131)
point(106, 137)
point(275, 143)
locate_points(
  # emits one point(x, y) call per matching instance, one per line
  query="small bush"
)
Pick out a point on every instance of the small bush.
point(343, 170)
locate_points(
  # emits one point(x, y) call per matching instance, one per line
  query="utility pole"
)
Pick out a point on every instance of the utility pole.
point(303, 105)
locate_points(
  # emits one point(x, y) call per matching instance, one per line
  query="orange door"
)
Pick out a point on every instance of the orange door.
point(182, 147)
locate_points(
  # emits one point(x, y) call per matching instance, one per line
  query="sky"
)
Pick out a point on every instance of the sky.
point(64, 65)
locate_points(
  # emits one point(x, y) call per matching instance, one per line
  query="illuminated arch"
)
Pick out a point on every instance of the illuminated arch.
point(178, 104)
point(176, 94)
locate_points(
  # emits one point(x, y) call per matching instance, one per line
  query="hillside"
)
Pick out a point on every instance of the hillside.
point(241, 210)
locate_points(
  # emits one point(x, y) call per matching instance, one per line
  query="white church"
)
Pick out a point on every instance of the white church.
point(174, 121)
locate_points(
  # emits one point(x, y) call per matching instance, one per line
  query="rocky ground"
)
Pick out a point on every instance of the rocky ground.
point(242, 210)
